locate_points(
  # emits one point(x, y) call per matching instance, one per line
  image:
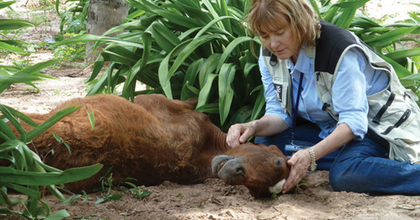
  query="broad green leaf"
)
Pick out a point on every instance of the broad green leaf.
point(71, 199)
point(14, 122)
point(228, 51)
point(226, 77)
point(203, 96)
point(99, 85)
point(211, 108)
point(314, 4)
point(91, 116)
point(212, 23)
point(258, 109)
point(411, 81)
point(22, 116)
point(242, 115)
point(60, 140)
point(6, 4)
point(189, 49)
point(225, 12)
point(17, 78)
point(164, 37)
point(12, 24)
point(209, 67)
point(389, 37)
point(119, 55)
point(212, 10)
point(179, 21)
point(11, 48)
point(22, 189)
point(349, 10)
point(130, 81)
point(400, 55)
point(10, 145)
point(164, 72)
point(96, 38)
point(62, 214)
point(189, 90)
point(400, 70)
point(37, 67)
point(11, 175)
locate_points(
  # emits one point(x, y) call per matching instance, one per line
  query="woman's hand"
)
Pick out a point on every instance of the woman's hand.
point(299, 162)
point(265, 126)
point(239, 134)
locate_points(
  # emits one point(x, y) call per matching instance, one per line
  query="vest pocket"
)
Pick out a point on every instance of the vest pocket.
point(388, 110)
point(395, 118)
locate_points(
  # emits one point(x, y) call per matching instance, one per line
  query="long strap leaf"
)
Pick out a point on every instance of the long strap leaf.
point(10, 175)
point(50, 122)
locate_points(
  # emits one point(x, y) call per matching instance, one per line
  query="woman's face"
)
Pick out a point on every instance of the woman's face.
point(281, 43)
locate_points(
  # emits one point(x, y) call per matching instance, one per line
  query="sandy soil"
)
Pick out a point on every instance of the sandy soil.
point(212, 199)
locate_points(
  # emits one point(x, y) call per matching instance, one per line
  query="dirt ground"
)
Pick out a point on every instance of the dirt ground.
point(212, 199)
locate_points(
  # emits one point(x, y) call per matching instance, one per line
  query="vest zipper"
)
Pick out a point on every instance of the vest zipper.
point(403, 118)
point(378, 116)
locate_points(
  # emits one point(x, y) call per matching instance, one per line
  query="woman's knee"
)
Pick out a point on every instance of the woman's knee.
point(338, 178)
point(349, 176)
point(343, 178)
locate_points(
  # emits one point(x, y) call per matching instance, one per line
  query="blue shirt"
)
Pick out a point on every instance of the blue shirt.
point(355, 80)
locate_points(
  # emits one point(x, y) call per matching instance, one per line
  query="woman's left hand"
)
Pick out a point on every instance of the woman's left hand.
point(299, 162)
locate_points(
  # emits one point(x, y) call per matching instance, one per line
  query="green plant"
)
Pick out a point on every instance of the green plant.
point(107, 185)
point(73, 20)
point(185, 49)
point(139, 191)
point(201, 48)
point(8, 25)
point(67, 55)
point(26, 172)
point(39, 18)
point(274, 195)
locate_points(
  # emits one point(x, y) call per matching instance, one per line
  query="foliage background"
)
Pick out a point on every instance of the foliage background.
point(202, 48)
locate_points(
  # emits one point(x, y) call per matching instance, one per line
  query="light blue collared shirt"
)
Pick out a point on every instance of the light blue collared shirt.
point(355, 80)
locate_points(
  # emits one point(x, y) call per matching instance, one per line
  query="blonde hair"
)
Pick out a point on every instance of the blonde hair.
point(272, 15)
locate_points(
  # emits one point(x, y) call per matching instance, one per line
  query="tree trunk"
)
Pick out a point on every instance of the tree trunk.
point(103, 15)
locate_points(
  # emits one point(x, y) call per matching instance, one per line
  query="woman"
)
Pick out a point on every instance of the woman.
point(331, 101)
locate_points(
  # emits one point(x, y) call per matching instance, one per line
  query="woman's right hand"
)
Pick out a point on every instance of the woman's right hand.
point(265, 126)
point(239, 134)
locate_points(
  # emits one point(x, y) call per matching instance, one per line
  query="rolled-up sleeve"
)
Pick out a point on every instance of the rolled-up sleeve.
point(272, 106)
point(349, 93)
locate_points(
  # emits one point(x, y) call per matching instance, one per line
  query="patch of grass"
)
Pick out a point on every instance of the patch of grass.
point(67, 55)
point(44, 5)
point(107, 185)
point(39, 18)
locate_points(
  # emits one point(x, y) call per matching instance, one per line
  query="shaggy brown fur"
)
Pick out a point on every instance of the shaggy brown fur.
point(152, 140)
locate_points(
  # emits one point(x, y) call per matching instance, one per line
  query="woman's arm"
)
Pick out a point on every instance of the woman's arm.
point(265, 126)
point(301, 160)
